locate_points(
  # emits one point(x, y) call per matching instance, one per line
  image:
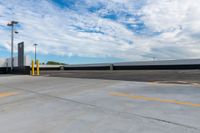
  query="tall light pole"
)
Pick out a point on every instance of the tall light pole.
point(35, 52)
point(12, 24)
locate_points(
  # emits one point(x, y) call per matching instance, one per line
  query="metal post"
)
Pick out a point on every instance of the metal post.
point(12, 23)
point(38, 67)
point(33, 68)
point(35, 52)
point(111, 67)
point(12, 40)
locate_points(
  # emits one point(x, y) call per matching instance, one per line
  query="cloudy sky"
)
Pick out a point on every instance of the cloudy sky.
point(90, 31)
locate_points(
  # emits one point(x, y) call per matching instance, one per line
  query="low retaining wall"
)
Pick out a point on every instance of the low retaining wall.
point(156, 65)
point(152, 67)
point(88, 68)
point(16, 70)
point(49, 68)
point(2, 70)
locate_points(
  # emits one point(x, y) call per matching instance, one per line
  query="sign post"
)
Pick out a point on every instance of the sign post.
point(21, 55)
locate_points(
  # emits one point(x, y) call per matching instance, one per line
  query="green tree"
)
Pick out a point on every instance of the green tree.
point(54, 63)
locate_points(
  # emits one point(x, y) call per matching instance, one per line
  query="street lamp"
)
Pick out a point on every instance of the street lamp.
point(35, 52)
point(12, 24)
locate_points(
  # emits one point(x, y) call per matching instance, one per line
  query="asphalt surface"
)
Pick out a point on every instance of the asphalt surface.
point(72, 105)
point(167, 76)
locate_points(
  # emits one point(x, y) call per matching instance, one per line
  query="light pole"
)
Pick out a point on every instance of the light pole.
point(35, 52)
point(12, 24)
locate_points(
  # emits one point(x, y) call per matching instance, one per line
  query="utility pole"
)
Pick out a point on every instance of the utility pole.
point(12, 24)
point(35, 52)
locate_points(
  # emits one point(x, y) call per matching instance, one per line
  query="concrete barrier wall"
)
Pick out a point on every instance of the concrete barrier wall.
point(50, 67)
point(142, 65)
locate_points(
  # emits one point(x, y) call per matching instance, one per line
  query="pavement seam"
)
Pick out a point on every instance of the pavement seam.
point(16, 101)
point(42, 94)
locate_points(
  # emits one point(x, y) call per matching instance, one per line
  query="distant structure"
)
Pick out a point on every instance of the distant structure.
point(140, 65)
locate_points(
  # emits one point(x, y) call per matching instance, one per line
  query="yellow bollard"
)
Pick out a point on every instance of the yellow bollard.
point(33, 69)
point(38, 68)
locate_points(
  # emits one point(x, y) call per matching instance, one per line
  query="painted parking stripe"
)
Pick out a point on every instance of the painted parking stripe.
point(154, 99)
point(6, 94)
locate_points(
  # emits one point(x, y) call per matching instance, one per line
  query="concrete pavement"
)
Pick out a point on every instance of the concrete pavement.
point(73, 105)
point(172, 76)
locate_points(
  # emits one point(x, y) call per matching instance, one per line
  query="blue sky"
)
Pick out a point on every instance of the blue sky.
point(94, 31)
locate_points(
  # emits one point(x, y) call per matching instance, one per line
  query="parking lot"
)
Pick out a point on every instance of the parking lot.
point(167, 76)
point(75, 105)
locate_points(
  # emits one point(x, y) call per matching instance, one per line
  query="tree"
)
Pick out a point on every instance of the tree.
point(54, 63)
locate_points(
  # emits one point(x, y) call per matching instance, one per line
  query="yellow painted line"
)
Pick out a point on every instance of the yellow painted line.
point(6, 94)
point(154, 99)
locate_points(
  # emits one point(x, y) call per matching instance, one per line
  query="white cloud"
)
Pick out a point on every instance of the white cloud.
point(68, 32)
point(178, 21)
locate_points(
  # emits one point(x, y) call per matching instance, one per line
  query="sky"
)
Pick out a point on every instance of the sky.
point(95, 31)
